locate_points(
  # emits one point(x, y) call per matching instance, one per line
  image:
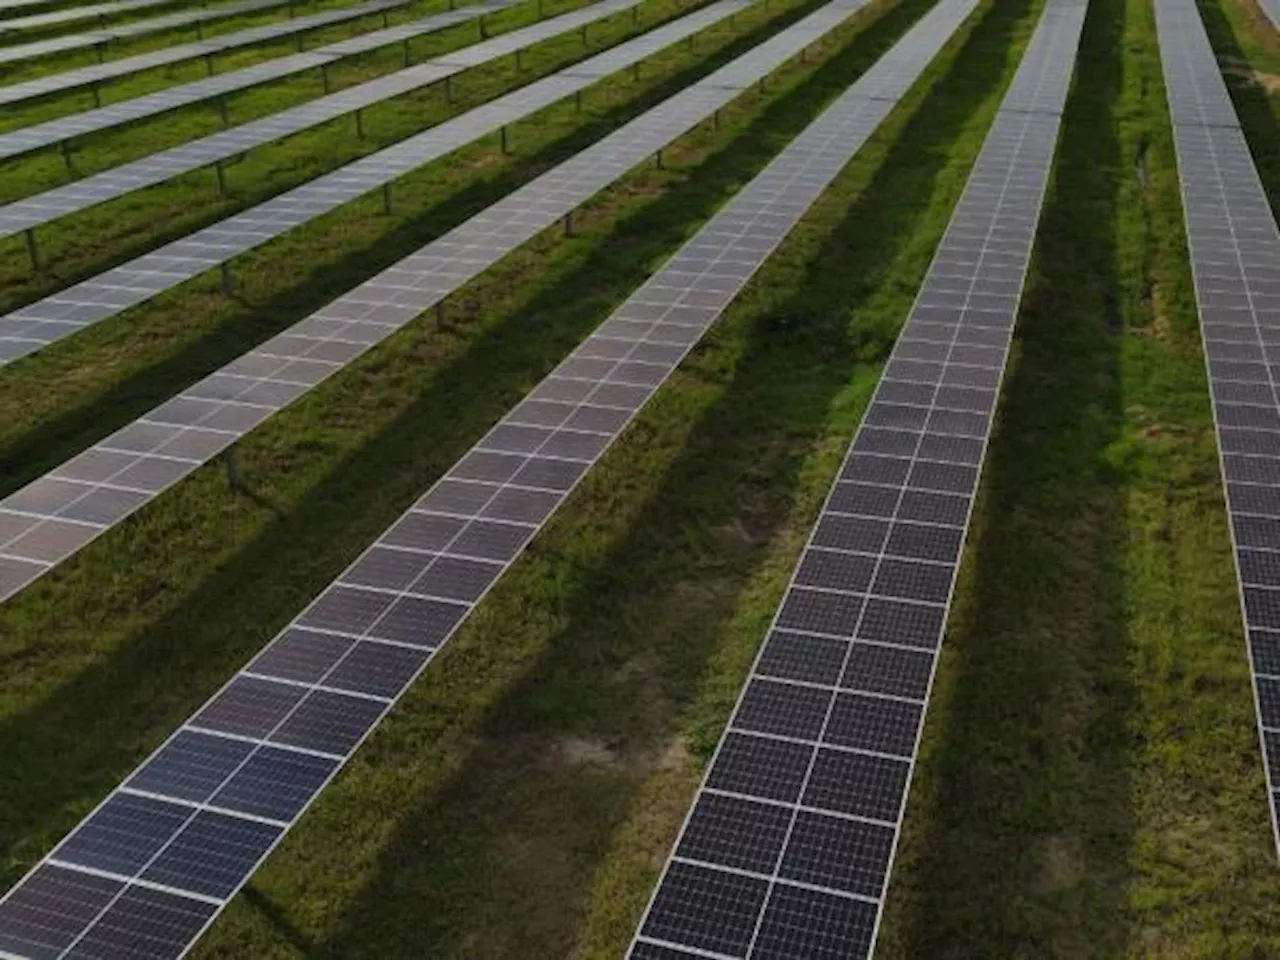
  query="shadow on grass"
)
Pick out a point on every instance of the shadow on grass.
point(1253, 106)
point(59, 437)
point(78, 741)
point(472, 865)
point(1018, 835)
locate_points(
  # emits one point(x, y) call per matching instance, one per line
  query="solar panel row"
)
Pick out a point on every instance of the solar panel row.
point(49, 519)
point(100, 38)
point(787, 849)
point(86, 12)
point(42, 208)
point(1235, 262)
point(97, 74)
point(64, 129)
point(59, 315)
point(165, 851)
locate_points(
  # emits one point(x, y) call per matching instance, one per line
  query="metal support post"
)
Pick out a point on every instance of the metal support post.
point(32, 250)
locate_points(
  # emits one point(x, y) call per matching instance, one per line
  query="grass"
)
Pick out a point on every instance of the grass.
point(1090, 783)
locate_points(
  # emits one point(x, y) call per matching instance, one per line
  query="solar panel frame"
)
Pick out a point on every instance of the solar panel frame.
point(96, 74)
point(263, 704)
point(1234, 249)
point(843, 679)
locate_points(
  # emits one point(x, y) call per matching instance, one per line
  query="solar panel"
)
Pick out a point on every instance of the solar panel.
point(191, 824)
point(97, 74)
point(1235, 262)
point(787, 849)
point(51, 518)
point(98, 38)
point(64, 129)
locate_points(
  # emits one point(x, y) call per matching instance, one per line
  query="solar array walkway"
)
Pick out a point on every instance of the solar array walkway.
point(1235, 260)
point(158, 859)
point(787, 850)
point(94, 76)
point(62, 130)
point(42, 208)
point(49, 519)
point(100, 38)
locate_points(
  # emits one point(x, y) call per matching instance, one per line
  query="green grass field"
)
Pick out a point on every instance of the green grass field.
point(1090, 784)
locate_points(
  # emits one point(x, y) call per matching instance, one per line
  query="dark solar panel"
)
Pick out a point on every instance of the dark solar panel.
point(826, 729)
point(363, 640)
point(62, 130)
point(1235, 262)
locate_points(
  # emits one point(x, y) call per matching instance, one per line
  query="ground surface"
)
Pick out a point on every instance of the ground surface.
point(1090, 783)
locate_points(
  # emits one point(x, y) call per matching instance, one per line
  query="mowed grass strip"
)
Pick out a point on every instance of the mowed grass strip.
point(113, 372)
point(335, 469)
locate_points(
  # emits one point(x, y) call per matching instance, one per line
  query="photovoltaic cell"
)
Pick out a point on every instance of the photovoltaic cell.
point(827, 725)
point(64, 129)
point(64, 313)
point(1235, 263)
point(195, 853)
point(146, 457)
